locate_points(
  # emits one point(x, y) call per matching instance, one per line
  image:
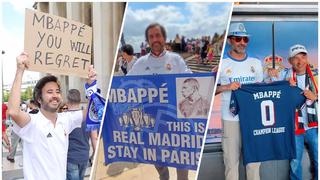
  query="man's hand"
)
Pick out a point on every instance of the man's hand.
point(23, 61)
point(292, 82)
point(273, 72)
point(233, 86)
point(309, 94)
point(228, 87)
point(92, 75)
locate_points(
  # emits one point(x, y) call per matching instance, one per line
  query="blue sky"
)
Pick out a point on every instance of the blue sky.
point(189, 19)
point(15, 21)
point(12, 37)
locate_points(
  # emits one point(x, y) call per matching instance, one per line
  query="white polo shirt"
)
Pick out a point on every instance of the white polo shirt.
point(45, 147)
point(167, 63)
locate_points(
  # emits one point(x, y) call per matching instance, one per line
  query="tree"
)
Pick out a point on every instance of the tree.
point(27, 94)
point(5, 95)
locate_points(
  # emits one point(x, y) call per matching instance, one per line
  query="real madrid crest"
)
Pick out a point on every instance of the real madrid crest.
point(168, 67)
point(252, 69)
point(228, 71)
point(241, 27)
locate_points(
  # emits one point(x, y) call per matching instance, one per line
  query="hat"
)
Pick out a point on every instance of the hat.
point(296, 49)
point(237, 29)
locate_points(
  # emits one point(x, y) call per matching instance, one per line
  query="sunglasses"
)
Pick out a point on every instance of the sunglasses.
point(64, 108)
point(239, 39)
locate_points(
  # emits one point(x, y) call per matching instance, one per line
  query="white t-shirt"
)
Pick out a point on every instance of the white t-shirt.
point(167, 63)
point(45, 147)
point(248, 70)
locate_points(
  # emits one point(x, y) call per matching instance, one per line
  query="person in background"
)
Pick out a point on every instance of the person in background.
point(127, 60)
point(63, 108)
point(79, 149)
point(15, 139)
point(5, 138)
point(32, 107)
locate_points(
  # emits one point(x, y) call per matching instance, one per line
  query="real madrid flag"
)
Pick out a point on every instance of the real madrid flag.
point(95, 107)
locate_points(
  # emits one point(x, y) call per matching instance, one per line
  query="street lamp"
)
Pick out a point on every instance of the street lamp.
point(2, 52)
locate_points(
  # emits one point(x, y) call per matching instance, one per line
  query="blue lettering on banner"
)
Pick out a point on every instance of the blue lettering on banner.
point(141, 122)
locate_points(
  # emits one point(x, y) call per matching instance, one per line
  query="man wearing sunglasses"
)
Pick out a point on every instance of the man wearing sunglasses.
point(237, 68)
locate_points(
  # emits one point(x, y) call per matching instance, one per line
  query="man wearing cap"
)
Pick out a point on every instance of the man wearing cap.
point(306, 121)
point(237, 68)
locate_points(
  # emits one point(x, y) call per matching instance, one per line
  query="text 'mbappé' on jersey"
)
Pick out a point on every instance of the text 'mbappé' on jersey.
point(267, 112)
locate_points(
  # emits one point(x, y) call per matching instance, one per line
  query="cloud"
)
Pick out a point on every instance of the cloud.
point(12, 39)
point(13, 46)
point(188, 19)
point(138, 20)
point(19, 6)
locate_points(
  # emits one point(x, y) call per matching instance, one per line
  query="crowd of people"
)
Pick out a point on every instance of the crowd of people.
point(205, 49)
point(12, 143)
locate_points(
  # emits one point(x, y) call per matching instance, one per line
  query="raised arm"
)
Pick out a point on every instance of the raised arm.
point(21, 118)
point(92, 76)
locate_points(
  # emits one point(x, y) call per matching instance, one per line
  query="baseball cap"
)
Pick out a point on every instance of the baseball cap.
point(237, 29)
point(296, 49)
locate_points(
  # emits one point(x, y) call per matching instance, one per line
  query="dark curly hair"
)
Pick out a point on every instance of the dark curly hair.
point(37, 92)
point(127, 48)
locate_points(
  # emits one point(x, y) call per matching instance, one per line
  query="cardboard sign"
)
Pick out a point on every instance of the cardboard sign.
point(149, 119)
point(57, 45)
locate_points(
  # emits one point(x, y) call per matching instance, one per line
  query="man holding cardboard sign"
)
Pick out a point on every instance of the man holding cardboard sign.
point(45, 134)
point(57, 45)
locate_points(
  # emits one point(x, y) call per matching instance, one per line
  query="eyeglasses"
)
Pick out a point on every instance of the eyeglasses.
point(239, 39)
point(64, 108)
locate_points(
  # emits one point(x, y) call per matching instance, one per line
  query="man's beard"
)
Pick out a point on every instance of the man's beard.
point(47, 107)
point(241, 50)
point(157, 46)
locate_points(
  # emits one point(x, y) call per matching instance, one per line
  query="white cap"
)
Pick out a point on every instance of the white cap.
point(296, 49)
point(237, 29)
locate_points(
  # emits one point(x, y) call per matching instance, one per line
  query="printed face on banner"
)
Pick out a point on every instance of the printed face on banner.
point(57, 45)
point(193, 98)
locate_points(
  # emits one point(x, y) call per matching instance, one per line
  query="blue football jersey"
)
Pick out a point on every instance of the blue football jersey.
point(267, 113)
